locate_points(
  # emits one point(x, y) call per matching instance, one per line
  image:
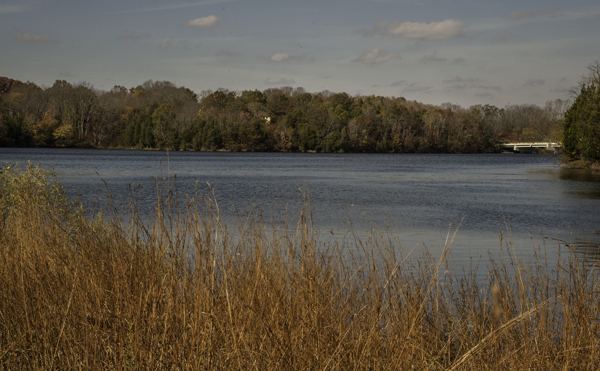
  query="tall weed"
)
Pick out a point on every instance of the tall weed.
point(189, 290)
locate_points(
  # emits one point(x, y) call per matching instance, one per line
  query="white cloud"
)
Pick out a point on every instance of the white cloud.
point(279, 57)
point(279, 81)
point(433, 31)
point(286, 57)
point(165, 43)
point(525, 14)
point(204, 22)
point(30, 37)
point(375, 56)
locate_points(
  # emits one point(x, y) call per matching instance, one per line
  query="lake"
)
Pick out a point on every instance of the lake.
point(417, 196)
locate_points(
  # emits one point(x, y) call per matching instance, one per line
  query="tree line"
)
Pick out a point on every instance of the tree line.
point(161, 115)
point(581, 134)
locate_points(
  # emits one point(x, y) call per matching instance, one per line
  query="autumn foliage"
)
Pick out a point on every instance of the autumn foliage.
point(162, 115)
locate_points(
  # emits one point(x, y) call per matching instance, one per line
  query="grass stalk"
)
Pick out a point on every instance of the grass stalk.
point(187, 289)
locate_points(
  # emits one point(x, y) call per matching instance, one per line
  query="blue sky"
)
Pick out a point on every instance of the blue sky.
point(459, 51)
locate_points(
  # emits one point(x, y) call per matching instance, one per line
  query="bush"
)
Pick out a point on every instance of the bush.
point(32, 192)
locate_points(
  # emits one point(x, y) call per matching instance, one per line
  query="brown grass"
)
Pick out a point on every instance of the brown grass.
point(187, 291)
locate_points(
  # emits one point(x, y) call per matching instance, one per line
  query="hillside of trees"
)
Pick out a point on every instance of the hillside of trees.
point(158, 114)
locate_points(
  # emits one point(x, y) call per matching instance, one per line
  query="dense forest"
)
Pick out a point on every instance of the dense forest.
point(158, 114)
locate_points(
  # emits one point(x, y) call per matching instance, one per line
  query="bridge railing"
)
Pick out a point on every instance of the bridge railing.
point(524, 145)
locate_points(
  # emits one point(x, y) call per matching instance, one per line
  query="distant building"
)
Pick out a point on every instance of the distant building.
point(264, 116)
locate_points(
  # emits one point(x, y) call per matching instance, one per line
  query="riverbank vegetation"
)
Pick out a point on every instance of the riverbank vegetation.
point(581, 134)
point(188, 290)
point(164, 116)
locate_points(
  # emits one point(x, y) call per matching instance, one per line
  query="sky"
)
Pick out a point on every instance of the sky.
point(463, 52)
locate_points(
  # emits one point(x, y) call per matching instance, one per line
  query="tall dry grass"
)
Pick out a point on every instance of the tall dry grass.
point(188, 291)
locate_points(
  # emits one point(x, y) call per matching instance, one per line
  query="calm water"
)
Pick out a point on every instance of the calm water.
point(416, 196)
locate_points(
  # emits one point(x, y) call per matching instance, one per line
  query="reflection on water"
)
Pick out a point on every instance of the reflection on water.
point(585, 185)
point(416, 196)
point(579, 175)
point(591, 188)
point(587, 249)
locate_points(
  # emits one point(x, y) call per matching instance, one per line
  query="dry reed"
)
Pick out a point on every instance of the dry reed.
point(187, 291)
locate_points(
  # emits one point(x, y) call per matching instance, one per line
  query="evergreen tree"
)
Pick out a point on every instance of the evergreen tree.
point(581, 130)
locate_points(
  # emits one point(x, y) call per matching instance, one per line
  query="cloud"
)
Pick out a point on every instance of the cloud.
point(433, 31)
point(174, 6)
point(525, 14)
point(165, 43)
point(226, 54)
point(457, 87)
point(484, 95)
point(30, 37)
point(204, 22)
point(132, 35)
point(415, 88)
point(375, 56)
point(597, 15)
point(471, 86)
point(283, 57)
point(459, 60)
point(393, 84)
point(501, 36)
point(456, 78)
point(14, 8)
point(487, 87)
point(398, 83)
point(279, 81)
point(279, 57)
point(535, 82)
point(462, 83)
point(432, 58)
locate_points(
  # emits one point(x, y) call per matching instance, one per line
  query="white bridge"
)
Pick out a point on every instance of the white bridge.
point(530, 147)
